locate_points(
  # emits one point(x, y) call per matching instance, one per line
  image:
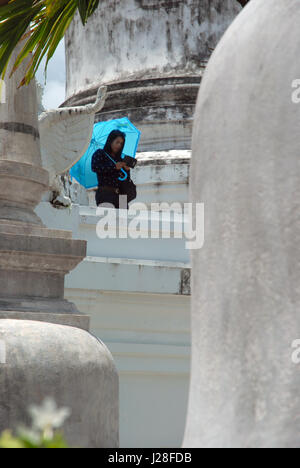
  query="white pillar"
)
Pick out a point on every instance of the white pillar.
point(245, 287)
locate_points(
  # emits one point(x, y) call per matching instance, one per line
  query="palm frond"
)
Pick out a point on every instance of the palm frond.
point(86, 8)
point(40, 24)
point(243, 2)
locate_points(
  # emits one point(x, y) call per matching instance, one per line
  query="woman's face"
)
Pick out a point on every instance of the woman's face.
point(117, 144)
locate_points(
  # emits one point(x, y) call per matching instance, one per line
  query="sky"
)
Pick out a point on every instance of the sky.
point(54, 92)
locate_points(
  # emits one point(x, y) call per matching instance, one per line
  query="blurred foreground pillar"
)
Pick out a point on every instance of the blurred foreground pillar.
point(58, 359)
point(245, 287)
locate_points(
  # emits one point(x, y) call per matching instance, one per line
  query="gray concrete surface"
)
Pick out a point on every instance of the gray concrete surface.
point(245, 285)
point(67, 364)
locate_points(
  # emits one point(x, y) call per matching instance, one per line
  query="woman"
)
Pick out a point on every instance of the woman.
point(108, 173)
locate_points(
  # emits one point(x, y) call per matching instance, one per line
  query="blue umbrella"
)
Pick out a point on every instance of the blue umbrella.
point(82, 170)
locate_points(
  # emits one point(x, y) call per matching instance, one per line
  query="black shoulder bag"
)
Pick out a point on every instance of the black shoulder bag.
point(127, 187)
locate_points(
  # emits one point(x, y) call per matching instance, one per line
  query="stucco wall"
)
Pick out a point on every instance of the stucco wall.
point(143, 38)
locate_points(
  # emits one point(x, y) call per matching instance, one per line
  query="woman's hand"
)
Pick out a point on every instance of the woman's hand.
point(122, 165)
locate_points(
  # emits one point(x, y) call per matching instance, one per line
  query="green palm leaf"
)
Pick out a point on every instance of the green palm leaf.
point(40, 24)
point(86, 8)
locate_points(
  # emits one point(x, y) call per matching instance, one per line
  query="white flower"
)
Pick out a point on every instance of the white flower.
point(48, 415)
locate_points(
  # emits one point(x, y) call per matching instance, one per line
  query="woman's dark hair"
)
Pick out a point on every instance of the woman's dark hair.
point(111, 137)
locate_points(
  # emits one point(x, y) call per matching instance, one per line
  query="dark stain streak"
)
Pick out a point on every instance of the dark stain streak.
point(185, 282)
point(157, 4)
point(17, 127)
point(169, 38)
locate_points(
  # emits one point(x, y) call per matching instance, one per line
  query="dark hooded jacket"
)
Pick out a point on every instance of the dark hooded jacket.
point(104, 167)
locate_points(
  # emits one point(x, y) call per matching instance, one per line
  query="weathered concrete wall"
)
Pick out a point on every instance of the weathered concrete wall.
point(245, 285)
point(151, 54)
point(144, 38)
